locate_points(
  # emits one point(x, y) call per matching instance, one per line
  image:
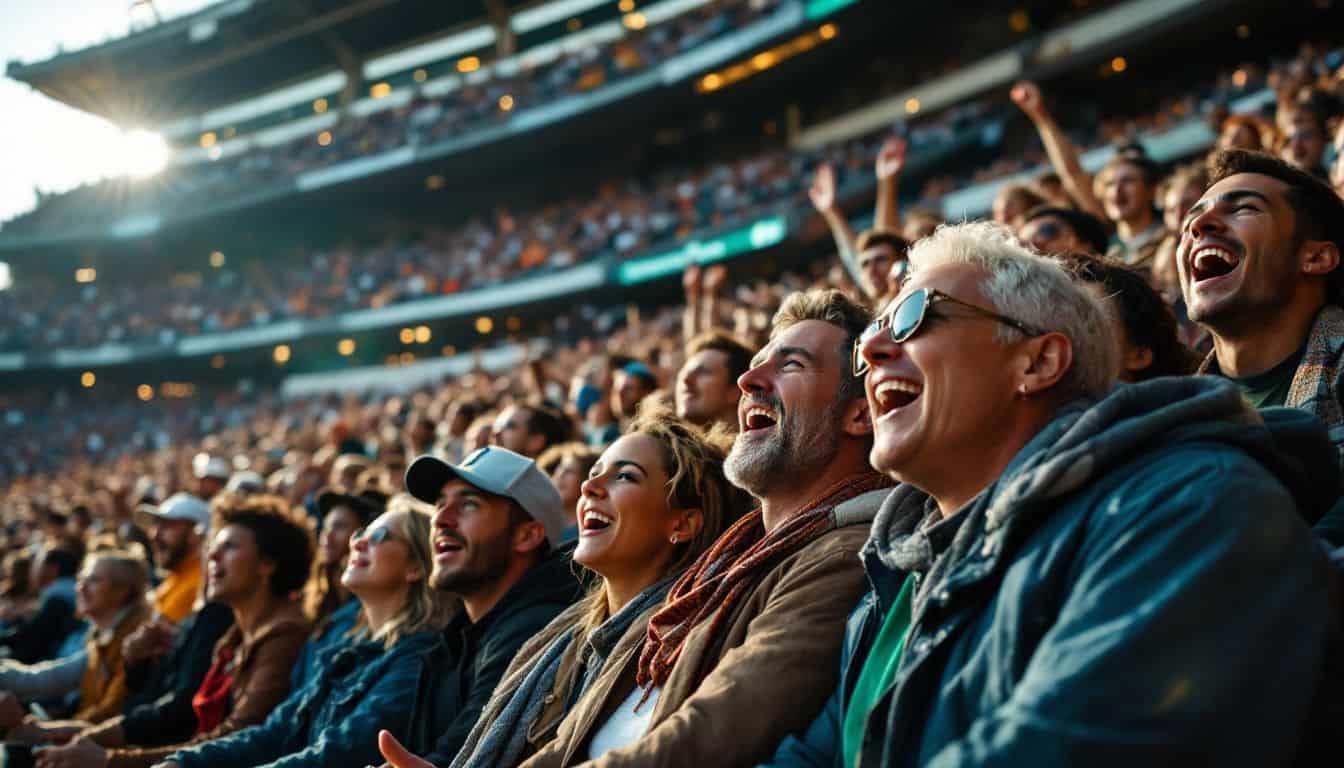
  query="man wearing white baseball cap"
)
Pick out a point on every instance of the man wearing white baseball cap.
point(175, 533)
point(498, 523)
point(212, 473)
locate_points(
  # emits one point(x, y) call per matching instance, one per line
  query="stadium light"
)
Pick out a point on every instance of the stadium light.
point(634, 21)
point(320, 106)
point(86, 275)
point(407, 336)
point(217, 362)
point(143, 153)
point(505, 103)
point(6, 276)
point(626, 6)
point(217, 259)
point(422, 334)
point(144, 392)
point(469, 64)
point(1118, 64)
point(484, 325)
point(281, 354)
point(346, 347)
point(87, 379)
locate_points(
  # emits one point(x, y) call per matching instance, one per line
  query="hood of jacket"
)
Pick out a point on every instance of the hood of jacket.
point(1087, 439)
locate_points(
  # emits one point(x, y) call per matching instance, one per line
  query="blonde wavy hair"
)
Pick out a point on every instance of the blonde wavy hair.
point(426, 608)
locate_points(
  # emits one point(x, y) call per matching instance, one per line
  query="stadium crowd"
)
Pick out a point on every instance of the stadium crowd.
point(624, 218)
point(474, 106)
point(1037, 489)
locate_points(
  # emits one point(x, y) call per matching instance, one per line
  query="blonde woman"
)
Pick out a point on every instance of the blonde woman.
point(654, 501)
point(334, 718)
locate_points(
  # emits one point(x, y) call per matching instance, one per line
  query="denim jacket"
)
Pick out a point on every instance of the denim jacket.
point(335, 718)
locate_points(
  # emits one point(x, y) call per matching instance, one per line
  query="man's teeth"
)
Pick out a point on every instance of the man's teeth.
point(1214, 259)
point(758, 416)
point(897, 393)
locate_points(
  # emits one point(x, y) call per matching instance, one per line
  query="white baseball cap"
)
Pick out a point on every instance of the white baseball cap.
point(181, 506)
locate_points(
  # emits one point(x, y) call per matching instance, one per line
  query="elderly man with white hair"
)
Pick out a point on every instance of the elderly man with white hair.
point(1072, 573)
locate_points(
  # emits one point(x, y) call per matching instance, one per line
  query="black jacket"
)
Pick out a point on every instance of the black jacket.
point(463, 670)
point(40, 637)
point(158, 709)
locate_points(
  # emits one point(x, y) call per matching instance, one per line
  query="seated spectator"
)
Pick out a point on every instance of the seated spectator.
point(1305, 137)
point(260, 554)
point(110, 595)
point(329, 606)
point(655, 501)
point(333, 720)
point(497, 524)
point(1143, 324)
point(709, 687)
point(1057, 231)
point(1259, 265)
point(881, 263)
point(38, 637)
point(529, 429)
point(1070, 592)
point(161, 685)
point(706, 391)
point(175, 532)
point(1180, 191)
point(568, 465)
point(1244, 132)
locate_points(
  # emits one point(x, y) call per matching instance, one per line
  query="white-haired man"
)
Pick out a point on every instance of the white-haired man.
point(1071, 573)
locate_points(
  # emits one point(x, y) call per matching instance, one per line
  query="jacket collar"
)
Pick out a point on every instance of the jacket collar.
point(550, 581)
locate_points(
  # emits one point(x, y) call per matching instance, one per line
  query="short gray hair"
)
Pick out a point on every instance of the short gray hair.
point(1034, 290)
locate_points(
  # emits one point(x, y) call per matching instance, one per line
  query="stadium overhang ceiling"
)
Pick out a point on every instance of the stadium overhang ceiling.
point(237, 48)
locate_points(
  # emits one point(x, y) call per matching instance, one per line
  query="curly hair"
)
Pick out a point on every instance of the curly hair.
point(284, 536)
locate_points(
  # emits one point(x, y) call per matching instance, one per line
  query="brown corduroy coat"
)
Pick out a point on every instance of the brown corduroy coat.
point(730, 701)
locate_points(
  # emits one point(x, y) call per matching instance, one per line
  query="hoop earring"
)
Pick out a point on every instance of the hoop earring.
point(673, 539)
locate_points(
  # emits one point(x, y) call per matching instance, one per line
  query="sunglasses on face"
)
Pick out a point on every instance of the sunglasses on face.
point(907, 317)
point(374, 536)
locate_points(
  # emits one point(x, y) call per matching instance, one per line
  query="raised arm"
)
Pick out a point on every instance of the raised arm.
point(1063, 154)
point(890, 163)
point(822, 195)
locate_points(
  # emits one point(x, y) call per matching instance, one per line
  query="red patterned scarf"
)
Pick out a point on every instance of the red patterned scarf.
point(712, 587)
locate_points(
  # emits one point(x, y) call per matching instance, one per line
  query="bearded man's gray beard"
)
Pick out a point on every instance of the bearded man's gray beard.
point(799, 447)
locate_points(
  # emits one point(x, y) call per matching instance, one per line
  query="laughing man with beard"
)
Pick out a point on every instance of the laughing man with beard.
point(497, 529)
point(746, 646)
point(1259, 267)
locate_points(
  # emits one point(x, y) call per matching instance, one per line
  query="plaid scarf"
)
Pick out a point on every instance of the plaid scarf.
point(712, 587)
point(1316, 384)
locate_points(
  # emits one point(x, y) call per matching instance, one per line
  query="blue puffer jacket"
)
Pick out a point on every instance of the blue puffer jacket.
point(335, 718)
point(1137, 588)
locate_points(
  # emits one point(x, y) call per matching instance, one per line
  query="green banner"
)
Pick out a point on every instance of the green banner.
point(818, 8)
point(761, 234)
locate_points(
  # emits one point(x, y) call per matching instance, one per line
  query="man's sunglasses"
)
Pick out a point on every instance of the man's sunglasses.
point(905, 320)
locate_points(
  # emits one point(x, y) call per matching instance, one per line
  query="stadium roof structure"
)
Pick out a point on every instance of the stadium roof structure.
point(236, 48)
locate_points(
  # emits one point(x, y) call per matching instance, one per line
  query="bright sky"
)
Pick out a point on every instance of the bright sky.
point(43, 143)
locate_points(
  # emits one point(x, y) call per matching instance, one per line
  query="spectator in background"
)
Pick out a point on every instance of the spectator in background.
point(529, 428)
point(919, 223)
point(175, 531)
point(1024, 585)
point(110, 595)
point(334, 719)
point(706, 391)
point(1305, 136)
point(655, 501)
point(38, 638)
point(327, 605)
point(1013, 201)
point(346, 469)
point(568, 465)
point(1244, 132)
point(1123, 192)
point(631, 383)
point(1259, 265)
point(1143, 325)
point(497, 525)
point(420, 434)
point(881, 264)
point(1337, 168)
point(1056, 231)
point(259, 555)
point(712, 660)
point(162, 683)
point(212, 474)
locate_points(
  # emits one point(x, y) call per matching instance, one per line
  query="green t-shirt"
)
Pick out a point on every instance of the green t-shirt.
point(1270, 388)
point(879, 670)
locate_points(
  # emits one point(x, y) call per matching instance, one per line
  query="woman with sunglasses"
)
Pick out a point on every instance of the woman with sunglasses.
point(653, 502)
point(334, 718)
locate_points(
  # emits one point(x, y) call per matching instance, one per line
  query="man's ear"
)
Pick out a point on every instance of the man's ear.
point(1318, 257)
point(528, 536)
point(858, 419)
point(1048, 358)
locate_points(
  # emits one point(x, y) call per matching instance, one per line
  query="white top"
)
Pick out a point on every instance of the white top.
point(625, 726)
